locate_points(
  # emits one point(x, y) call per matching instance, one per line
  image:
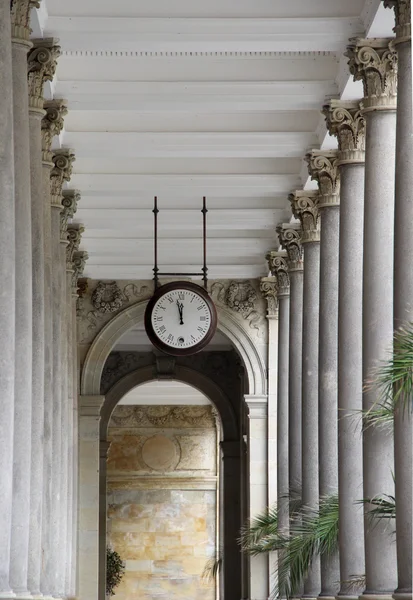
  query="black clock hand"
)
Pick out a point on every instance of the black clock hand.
point(181, 312)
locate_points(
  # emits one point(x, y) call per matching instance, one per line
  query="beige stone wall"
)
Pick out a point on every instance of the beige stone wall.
point(162, 500)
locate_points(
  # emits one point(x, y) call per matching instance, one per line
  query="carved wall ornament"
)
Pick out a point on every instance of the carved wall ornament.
point(69, 204)
point(73, 235)
point(242, 298)
point(278, 265)
point(20, 19)
point(323, 168)
point(290, 240)
point(345, 121)
point(304, 205)
point(163, 416)
point(374, 62)
point(107, 297)
point(269, 289)
point(62, 171)
point(41, 65)
point(52, 125)
point(403, 15)
point(79, 262)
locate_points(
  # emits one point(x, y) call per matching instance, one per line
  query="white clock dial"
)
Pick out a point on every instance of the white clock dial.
point(181, 318)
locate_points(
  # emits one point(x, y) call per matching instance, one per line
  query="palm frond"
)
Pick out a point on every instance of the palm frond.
point(212, 568)
point(384, 507)
point(355, 584)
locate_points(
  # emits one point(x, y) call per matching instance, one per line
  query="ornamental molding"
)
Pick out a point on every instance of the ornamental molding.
point(107, 297)
point(290, 237)
point(52, 125)
point(278, 265)
point(20, 20)
point(269, 290)
point(323, 168)
point(403, 16)
point(79, 262)
point(61, 171)
point(304, 205)
point(242, 298)
point(41, 67)
point(69, 206)
point(74, 236)
point(345, 121)
point(173, 417)
point(374, 62)
point(193, 55)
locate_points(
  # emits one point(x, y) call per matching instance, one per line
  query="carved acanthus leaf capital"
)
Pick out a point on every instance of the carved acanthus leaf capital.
point(290, 239)
point(345, 121)
point(69, 204)
point(304, 205)
point(79, 262)
point(41, 67)
point(269, 290)
point(20, 19)
point(323, 168)
point(62, 171)
point(277, 264)
point(52, 125)
point(403, 15)
point(74, 237)
point(374, 62)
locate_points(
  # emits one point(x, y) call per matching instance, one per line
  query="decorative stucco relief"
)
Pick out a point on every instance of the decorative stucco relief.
point(244, 299)
point(163, 416)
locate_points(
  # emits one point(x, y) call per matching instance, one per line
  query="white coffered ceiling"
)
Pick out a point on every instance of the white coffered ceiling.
point(183, 98)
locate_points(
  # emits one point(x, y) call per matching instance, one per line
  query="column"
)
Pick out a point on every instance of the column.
point(277, 262)
point(323, 168)
point(23, 303)
point(403, 286)
point(61, 172)
point(231, 510)
point(258, 496)
point(69, 204)
point(375, 64)
point(345, 121)
point(305, 207)
point(290, 239)
point(89, 496)
point(7, 297)
point(268, 286)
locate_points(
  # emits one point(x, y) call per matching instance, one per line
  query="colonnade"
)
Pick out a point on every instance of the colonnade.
point(40, 265)
point(346, 263)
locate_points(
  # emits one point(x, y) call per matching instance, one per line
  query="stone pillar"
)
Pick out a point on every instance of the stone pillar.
point(375, 64)
point(258, 496)
point(278, 266)
point(403, 286)
point(305, 207)
point(23, 306)
point(323, 168)
point(290, 239)
point(61, 171)
point(345, 121)
point(7, 297)
point(41, 65)
point(231, 482)
point(268, 286)
point(89, 496)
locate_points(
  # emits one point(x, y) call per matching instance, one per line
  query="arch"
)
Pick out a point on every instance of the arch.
point(107, 338)
point(184, 374)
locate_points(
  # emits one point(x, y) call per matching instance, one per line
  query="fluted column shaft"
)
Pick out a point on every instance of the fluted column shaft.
point(345, 121)
point(403, 288)
point(23, 334)
point(378, 456)
point(7, 295)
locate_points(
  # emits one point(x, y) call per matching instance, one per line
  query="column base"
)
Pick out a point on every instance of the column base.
point(377, 596)
point(7, 595)
point(347, 597)
point(402, 595)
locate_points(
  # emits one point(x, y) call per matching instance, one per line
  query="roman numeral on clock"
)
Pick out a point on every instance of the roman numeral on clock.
point(162, 329)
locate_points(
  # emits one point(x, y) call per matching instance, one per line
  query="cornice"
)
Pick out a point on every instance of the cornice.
point(192, 55)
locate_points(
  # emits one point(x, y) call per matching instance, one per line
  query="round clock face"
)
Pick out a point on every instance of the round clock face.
point(180, 318)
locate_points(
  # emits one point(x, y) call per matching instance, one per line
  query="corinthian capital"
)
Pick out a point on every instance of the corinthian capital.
point(62, 171)
point(41, 67)
point(403, 14)
point(69, 204)
point(74, 236)
point(290, 239)
point(374, 62)
point(52, 125)
point(304, 204)
point(323, 168)
point(20, 19)
point(345, 121)
point(277, 264)
point(268, 287)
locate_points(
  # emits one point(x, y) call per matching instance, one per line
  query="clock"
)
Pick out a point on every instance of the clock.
point(180, 318)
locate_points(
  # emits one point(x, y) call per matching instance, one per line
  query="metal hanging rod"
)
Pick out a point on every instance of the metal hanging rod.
point(156, 273)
